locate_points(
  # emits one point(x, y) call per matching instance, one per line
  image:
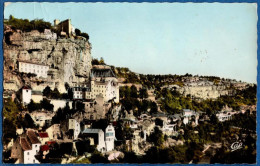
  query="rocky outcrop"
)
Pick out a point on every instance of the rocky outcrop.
point(205, 92)
point(69, 59)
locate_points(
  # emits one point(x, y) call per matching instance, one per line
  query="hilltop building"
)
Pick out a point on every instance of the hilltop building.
point(64, 27)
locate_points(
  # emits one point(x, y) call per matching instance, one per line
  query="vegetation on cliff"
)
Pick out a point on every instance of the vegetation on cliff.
point(26, 25)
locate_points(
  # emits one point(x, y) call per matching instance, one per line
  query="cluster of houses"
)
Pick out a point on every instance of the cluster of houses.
point(31, 145)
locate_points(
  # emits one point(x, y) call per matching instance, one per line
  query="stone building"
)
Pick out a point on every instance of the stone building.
point(224, 116)
point(25, 148)
point(75, 127)
point(104, 141)
point(189, 116)
point(26, 95)
point(54, 131)
point(102, 83)
point(96, 109)
point(64, 26)
point(28, 67)
point(110, 138)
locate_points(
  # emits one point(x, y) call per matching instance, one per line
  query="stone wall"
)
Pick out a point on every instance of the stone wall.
point(60, 104)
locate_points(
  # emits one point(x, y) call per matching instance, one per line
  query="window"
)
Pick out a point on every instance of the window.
point(36, 146)
point(28, 153)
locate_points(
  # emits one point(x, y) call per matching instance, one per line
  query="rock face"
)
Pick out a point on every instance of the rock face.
point(205, 92)
point(69, 59)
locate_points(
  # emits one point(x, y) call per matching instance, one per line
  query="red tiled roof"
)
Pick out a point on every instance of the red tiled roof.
point(51, 142)
point(115, 123)
point(33, 137)
point(43, 135)
point(45, 148)
point(25, 144)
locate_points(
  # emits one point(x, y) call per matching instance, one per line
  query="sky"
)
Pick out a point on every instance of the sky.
point(213, 39)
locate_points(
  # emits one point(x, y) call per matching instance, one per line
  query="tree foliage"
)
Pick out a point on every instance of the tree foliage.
point(26, 25)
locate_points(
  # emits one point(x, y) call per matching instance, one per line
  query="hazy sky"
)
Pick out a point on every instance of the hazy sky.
point(217, 39)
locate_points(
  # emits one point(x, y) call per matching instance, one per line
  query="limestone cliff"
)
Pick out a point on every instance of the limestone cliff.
point(205, 92)
point(69, 59)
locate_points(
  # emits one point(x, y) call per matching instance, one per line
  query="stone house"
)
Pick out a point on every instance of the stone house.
point(26, 147)
point(189, 116)
point(54, 132)
point(224, 116)
point(97, 135)
point(169, 129)
point(75, 127)
point(96, 109)
point(103, 140)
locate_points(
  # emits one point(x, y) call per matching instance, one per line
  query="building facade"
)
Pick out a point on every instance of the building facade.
point(40, 70)
point(110, 138)
point(75, 126)
point(26, 95)
point(25, 148)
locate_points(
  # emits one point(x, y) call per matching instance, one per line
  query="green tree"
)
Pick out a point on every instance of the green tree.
point(10, 113)
point(47, 91)
point(95, 62)
point(102, 61)
point(77, 31)
point(156, 137)
point(98, 157)
point(46, 104)
point(32, 106)
point(133, 91)
point(143, 93)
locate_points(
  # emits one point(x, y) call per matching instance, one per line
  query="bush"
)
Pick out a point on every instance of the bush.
point(26, 25)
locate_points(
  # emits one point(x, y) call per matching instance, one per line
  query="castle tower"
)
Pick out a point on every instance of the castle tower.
point(56, 22)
